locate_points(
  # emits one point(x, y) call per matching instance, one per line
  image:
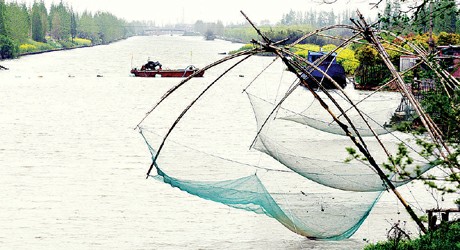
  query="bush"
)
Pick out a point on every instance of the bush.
point(66, 44)
point(346, 58)
point(245, 47)
point(82, 41)
point(8, 49)
point(302, 49)
point(328, 47)
point(34, 46)
point(43, 46)
point(445, 112)
point(25, 48)
point(447, 236)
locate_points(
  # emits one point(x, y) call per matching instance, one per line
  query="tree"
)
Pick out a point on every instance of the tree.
point(445, 16)
point(73, 25)
point(87, 27)
point(2, 18)
point(60, 22)
point(199, 26)
point(110, 28)
point(39, 22)
point(289, 18)
point(385, 18)
point(17, 22)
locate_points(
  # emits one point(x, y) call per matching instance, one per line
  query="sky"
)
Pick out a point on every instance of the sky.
point(178, 11)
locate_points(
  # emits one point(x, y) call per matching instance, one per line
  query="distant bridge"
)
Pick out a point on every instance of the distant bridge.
point(162, 31)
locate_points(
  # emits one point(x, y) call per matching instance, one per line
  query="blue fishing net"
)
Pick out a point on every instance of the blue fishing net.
point(314, 214)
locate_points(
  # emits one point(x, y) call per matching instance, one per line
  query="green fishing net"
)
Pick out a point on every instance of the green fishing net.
point(299, 175)
point(311, 212)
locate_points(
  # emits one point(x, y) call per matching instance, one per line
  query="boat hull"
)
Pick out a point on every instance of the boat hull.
point(165, 73)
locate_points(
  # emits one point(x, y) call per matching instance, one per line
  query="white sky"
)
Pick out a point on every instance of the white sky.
point(173, 11)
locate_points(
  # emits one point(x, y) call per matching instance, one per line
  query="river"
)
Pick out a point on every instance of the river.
point(72, 167)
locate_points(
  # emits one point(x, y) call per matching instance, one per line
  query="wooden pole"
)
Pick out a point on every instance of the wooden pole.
point(187, 109)
point(295, 68)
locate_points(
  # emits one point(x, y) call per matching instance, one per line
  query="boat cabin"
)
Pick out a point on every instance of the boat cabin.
point(313, 56)
point(151, 65)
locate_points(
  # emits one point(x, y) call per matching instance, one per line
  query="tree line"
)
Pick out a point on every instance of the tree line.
point(292, 25)
point(58, 26)
point(438, 15)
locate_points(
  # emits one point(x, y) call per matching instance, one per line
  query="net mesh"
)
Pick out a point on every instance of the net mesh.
point(298, 153)
point(320, 196)
point(307, 211)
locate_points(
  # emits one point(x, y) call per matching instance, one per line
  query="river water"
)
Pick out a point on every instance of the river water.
point(72, 167)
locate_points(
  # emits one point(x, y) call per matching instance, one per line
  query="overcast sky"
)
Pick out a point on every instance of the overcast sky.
point(172, 11)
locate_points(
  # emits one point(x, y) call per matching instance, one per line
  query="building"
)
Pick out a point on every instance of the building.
point(406, 62)
point(450, 58)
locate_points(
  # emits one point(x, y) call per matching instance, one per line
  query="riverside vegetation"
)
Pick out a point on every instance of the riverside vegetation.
point(27, 29)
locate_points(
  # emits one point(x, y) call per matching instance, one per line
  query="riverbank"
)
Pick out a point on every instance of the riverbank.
point(57, 47)
point(52, 50)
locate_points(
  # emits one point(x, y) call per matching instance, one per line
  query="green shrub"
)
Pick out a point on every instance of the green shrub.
point(245, 47)
point(24, 48)
point(346, 58)
point(8, 48)
point(447, 236)
point(82, 41)
point(66, 44)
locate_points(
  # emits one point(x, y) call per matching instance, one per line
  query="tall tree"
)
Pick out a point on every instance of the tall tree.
point(445, 16)
point(60, 21)
point(73, 25)
point(39, 22)
point(2, 18)
point(87, 27)
point(17, 22)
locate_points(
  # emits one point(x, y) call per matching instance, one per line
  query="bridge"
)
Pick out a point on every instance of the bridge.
point(166, 31)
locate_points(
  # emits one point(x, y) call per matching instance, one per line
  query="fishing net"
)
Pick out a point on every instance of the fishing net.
point(314, 212)
point(299, 153)
point(317, 195)
point(376, 109)
point(299, 173)
point(317, 183)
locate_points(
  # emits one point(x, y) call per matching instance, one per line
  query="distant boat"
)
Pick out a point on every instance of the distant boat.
point(330, 66)
point(209, 36)
point(154, 69)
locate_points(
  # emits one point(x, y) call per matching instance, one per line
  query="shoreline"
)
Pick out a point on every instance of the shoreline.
point(52, 50)
point(57, 49)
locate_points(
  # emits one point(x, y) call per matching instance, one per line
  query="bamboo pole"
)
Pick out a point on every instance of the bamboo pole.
point(294, 68)
point(431, 127)
point(187, 109)
point(176, 87)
